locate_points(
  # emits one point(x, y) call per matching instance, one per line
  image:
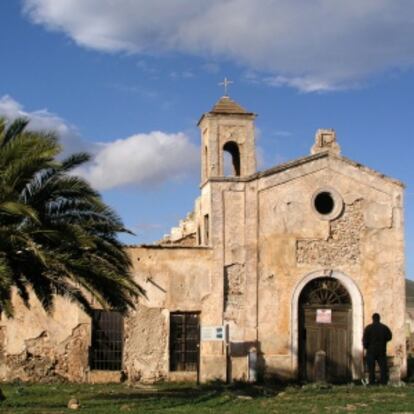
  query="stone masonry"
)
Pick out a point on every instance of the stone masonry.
point(241, 259)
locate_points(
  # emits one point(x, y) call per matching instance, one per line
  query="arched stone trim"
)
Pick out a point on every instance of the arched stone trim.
point(357, 318)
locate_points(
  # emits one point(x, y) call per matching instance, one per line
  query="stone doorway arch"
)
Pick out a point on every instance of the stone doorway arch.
point(325, 325)
point(356, 348)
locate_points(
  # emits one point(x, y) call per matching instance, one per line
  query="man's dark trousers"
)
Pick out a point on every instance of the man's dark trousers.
point(382, 362)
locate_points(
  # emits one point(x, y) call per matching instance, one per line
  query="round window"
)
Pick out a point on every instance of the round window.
point(324, 203)
point(327, 203)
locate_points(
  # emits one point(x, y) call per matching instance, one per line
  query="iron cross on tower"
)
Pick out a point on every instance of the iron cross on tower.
point(226, 83)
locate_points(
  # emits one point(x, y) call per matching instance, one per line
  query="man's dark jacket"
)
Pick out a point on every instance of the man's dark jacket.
point(376, 336)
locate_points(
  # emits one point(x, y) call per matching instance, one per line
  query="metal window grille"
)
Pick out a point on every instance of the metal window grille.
point(325, 291)
point(184, 341)
point(107, 340)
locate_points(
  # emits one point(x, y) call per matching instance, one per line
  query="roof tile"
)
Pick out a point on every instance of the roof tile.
point(225, 105)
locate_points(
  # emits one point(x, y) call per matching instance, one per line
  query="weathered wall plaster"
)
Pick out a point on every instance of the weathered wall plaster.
point(241, 259)
point(41, 347)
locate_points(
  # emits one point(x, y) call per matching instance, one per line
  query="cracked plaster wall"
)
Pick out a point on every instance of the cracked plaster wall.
point(343, 243)
point(234, 259)
point(146, 345)
point(175, 279)
point(365, 242)
point(234, 290)
point(265, 235)
point(38, 347)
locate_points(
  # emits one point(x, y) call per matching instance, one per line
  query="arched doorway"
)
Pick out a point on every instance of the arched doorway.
point(325, 324)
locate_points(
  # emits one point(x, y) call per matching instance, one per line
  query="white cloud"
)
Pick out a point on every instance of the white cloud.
point(43, 120)
point(142, 159)
point(307, 44)
point(304, 84)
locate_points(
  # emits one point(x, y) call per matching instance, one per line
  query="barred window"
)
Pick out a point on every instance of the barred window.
point(184, 341)
point(107, 340)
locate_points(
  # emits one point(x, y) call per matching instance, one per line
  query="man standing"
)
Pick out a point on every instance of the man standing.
point(376, 336)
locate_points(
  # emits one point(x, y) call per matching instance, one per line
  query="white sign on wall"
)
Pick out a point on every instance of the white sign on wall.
point(324, 315)
point(213, 333)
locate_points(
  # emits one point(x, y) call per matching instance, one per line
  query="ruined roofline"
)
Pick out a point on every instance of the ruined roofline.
point(301, 161)
point(164, 246)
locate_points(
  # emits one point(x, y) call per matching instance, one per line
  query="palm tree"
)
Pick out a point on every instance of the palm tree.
point(57, 237)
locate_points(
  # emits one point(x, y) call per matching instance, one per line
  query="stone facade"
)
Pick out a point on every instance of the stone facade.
point(241, 259)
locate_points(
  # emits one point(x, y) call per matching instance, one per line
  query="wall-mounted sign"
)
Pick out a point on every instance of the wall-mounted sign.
point(213, 333)
point(324, 315)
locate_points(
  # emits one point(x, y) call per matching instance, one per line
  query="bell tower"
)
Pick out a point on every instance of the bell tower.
point(227, 131)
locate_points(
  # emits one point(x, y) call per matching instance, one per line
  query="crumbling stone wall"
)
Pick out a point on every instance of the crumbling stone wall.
point(42, 360)
point(182, 235)
point(364, 243)
point(234, 289)
point(146, 346)
point(73, 358)
point(343, 243)
point(264, 239)
point(188, 240)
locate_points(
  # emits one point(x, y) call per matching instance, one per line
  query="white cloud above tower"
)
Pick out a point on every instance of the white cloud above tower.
point(311, 45)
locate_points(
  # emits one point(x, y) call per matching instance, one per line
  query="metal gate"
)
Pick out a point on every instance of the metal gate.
point(184, 341)
point(107, 340)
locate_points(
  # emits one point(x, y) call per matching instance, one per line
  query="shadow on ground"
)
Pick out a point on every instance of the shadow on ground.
point(195, 393)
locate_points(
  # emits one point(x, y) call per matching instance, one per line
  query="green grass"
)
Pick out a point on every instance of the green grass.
point(188, 398)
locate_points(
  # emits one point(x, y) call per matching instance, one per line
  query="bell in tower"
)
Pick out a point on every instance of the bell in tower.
point(227, 131)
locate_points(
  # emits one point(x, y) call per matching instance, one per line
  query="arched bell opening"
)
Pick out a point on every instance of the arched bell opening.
point(231, 159)
point(325, 331)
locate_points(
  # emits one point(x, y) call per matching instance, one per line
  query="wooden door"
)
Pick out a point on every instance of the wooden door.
point(333, 338)
point(325, 325)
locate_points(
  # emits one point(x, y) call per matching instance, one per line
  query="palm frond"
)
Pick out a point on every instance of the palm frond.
point(57, 236)
point(75, 160)
point(19, 209)
point(6, 284)
point(15, 129)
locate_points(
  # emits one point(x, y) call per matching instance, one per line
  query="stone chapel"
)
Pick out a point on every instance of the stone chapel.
point(270, 269)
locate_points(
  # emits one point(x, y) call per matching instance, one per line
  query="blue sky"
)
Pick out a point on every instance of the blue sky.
point(128, 81)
